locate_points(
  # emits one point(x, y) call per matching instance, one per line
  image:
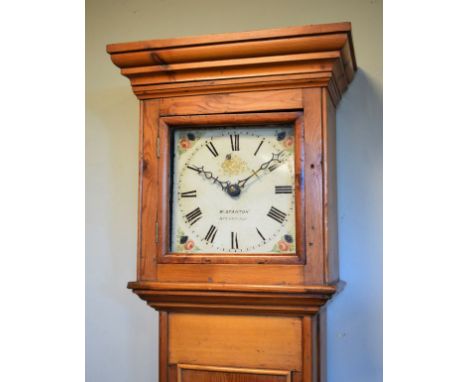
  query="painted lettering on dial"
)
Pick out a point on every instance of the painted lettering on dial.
point(259, 145)
point(258, 231)
point(234, 142)
point(194, 216)
point(189, 194)
point(212, 149)
point(277, 215)
point(283, 189)
point(211, 234)
point(234, 241)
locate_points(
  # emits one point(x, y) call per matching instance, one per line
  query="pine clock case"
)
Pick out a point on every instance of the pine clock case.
point(292, 75)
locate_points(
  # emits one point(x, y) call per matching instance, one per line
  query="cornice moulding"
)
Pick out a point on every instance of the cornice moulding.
point(308, 56)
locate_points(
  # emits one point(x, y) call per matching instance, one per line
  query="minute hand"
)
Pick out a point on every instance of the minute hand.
point(274, 158)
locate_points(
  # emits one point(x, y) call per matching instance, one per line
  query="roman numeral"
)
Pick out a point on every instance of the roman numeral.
point(234, 242)
point(211, 234)
point(194, 216)
point(234, 142)
point(258, 231)
point(258, 148)
point(212, 149)
point(277, 215)
point(283, 189)
point(189, 194)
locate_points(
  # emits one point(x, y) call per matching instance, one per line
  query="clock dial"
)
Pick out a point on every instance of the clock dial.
point(233, 190)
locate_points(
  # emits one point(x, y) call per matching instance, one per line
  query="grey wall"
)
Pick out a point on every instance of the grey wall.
point(121, 330)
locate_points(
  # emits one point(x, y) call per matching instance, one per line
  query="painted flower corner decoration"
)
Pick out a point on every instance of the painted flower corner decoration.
point(186, 141)
point(185, 243)
point(286, 139)
point(286, 244)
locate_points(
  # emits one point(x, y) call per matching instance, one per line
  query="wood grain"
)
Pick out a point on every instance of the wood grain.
point(316, 60)
point(175, 286)
point(231, 274)
point(237, 85)
point(149, 191)
point(313, 180)
point(194, 63)
point(222, 376)
point(299, 201)
point(231, 340)
point(322, 62)
point(249, 36)
point(330, 193)
point(232, 103)
point(163, 346)
point(197, 373)
point(292, 301)
point(243, 49)
point(307, 344)
point(141, 164)
point(226, 119)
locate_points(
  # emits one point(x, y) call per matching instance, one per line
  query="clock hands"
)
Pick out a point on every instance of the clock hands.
point(272, 164)
point(234, 189)
point(225, 185)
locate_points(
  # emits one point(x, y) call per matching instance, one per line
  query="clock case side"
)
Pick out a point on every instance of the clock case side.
point(330, 205)
point(148, 191)
point(322, 265)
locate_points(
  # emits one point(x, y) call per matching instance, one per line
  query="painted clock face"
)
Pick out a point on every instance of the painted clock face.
point(233, 190)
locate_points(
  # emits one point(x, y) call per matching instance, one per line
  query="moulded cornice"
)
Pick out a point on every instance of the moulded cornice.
point(307, 56)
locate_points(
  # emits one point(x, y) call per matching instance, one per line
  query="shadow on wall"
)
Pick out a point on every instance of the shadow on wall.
point(355, 316)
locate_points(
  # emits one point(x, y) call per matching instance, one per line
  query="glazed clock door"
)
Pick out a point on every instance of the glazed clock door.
point(233, 188)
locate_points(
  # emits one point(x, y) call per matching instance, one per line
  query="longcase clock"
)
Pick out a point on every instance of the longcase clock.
point(237, 227)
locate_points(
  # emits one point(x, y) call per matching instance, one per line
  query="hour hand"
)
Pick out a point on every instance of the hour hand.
point(209, 176)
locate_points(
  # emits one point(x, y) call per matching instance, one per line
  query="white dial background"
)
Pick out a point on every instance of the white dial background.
point(205, 218)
